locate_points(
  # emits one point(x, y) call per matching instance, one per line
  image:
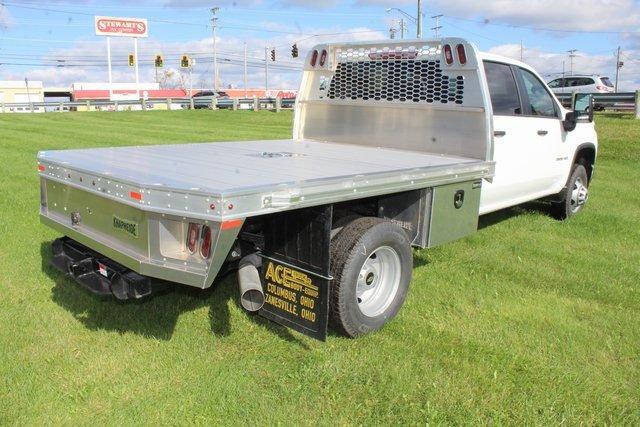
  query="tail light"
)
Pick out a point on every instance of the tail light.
point(192, 237)
point(323, 57)
point(448, 54)
point(314, 58)
point(601, 88)
point(41, 168)
point(205, 242)
point(462, 54)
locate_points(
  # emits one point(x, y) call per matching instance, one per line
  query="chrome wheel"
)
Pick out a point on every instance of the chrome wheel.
point(378, 281)
point(579, 195)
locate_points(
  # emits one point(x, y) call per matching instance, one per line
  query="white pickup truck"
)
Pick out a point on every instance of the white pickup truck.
point(395, 144)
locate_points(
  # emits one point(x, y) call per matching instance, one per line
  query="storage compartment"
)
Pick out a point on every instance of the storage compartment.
point(454, 213)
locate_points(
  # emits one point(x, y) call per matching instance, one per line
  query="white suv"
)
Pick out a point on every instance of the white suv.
point(581, 84)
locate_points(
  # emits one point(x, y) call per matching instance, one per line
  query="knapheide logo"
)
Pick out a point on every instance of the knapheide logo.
point(127, 27)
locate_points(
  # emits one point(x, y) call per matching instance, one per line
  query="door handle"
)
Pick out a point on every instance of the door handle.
point(543, 132)
point(499, 133)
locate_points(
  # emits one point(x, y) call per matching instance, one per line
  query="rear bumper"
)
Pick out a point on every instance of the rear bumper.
point(100, 275)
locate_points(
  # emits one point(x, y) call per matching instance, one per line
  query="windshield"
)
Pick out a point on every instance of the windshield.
point(606, 81)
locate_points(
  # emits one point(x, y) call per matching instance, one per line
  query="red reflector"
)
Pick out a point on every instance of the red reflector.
point(234, 223)
point(314, 58)
point(41, 168)
point(192, 237)
point(205, 239)
point(323, 57)
point(135, 195)
point(462, 54)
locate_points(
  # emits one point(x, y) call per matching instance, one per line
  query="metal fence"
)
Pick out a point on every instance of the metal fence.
point(627, 101)
point(622, 101)
point(276, 104)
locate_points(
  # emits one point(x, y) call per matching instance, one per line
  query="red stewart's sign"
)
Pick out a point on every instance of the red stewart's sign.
point(121, 27)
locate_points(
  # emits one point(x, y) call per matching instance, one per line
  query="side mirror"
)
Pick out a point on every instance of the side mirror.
point(583, 105)
point(570, 121)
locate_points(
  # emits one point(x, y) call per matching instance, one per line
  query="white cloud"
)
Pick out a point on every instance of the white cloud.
point(6, 20)
point(590, 15)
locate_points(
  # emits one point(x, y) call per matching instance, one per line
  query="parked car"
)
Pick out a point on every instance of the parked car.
point(205, 98)
point(395, 145)
point(582, 84)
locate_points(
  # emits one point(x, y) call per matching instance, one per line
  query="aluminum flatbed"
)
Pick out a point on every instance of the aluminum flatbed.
point(240, 179)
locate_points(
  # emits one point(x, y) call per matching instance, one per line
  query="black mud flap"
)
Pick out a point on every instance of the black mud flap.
point(296, 270)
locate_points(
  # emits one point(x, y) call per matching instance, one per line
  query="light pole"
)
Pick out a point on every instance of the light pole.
point(214, 24)
point(419, 19)
point(409, 17)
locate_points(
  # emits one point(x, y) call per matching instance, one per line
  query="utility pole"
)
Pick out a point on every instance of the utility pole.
point(618, 66)
point(214, 24)
point(402, 28)
point(245, 70)
point(572, 54)
point(266, 70)
point(438, 27)
point(419, 20)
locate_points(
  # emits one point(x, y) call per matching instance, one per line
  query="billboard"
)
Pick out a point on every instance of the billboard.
point(121, 27)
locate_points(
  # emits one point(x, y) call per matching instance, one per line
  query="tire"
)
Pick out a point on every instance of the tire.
point(574, 196)
point(371, 265)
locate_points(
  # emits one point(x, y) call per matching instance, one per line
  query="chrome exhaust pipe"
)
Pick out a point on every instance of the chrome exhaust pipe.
point(251, 293)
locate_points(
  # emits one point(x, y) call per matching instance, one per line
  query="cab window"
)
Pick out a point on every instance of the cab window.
point(540, 100)
point(502, 89)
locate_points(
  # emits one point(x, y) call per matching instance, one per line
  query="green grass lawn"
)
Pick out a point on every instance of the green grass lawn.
point(528, 321)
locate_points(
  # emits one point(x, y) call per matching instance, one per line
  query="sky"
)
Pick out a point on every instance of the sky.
point(54, 41)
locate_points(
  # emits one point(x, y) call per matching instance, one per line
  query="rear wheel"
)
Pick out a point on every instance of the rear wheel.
point(574, 196)
point(371, 265)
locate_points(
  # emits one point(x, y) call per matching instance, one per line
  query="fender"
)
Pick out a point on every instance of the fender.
point(591, 158)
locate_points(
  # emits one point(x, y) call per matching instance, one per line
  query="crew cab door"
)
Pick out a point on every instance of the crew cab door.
point(527, 137)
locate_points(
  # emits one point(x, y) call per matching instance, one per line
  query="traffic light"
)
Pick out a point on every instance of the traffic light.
point(273, 55)
point(294, 50)
point(185, 62)
point(159, 61)
point(132, 60)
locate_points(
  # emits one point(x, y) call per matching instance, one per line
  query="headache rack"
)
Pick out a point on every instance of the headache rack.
point(418, 95)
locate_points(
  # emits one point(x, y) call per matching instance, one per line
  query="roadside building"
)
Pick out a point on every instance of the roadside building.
point(18, 96)
point(258, 93)
point(96, 92)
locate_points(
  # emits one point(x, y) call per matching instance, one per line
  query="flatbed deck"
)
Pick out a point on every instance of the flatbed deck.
point(251, 177)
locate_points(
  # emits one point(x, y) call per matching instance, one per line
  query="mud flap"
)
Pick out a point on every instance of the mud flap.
point(296, 270)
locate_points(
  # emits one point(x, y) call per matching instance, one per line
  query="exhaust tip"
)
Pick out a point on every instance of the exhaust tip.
point(252, 300)
point(251, 293)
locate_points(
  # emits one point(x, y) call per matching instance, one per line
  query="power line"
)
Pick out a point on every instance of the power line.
point(558, 30)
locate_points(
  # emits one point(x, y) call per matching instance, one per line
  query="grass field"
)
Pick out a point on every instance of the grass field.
point(528, 321)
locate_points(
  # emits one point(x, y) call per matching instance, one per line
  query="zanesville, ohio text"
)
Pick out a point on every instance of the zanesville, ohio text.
point(291, 291)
